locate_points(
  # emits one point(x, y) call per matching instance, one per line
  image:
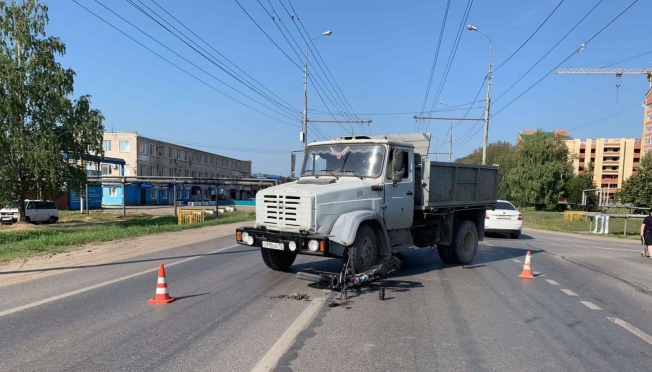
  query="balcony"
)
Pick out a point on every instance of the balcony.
point(610, 171)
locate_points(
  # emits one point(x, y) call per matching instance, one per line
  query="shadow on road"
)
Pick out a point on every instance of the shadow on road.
point(124, 262)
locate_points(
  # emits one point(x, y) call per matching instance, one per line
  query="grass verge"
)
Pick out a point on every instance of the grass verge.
point(23, 243)
point(99, 216)
point(554, 221)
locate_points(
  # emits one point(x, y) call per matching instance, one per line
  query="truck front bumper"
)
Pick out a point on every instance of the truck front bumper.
point(314, 245)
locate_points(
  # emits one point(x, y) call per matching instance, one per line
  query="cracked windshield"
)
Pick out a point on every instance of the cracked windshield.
point(359, 161)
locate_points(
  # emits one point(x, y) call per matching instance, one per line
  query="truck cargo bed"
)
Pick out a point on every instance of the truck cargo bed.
point(456, 185)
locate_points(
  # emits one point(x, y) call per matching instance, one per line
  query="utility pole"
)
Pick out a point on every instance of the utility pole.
point(304, 124)
point(488, 98)
point(450, 144)
point(450, 131)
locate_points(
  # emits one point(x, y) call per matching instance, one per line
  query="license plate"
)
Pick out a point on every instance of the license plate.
point(271, 245)
point(504, 217)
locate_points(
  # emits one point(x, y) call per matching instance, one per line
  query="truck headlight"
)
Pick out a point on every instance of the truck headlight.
point(313, 245)
point(248, 239)
point(292, 246)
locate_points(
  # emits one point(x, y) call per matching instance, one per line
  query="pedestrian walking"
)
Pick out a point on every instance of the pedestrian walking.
point(646, 234)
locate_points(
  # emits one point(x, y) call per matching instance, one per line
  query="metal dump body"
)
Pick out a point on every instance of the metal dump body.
point(456, 185)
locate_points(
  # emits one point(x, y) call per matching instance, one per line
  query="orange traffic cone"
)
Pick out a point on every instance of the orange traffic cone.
point(162, 296)
point(527, 268)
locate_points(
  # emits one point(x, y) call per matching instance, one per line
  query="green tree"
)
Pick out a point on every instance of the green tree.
point(536, 176)
point(44, 131)
point(495, 151)
point(637, 190)
point(576, 184)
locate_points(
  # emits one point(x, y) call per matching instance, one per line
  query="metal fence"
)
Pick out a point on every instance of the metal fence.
point(188, 216)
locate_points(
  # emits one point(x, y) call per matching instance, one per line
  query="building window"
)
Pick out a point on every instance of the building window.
point(152, 149)
point(106, 146)
point(113, 191)
point(164, 194)
point(222, 163)
point(187, 173)
point(153, 194)
point(142, 148)
point(124, 146)
point(160, 172)
point(106, 169)
point(187, 193)
point(171, 172)
point(649, 117)
point(647, 142)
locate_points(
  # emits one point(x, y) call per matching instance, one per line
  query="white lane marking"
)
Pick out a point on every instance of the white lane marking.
point(517, 261)
point(99, 285)
point(489, 244)
point(647, 338)
point(283, 344)
point(543, 245)
point(591, 305)
point(552, 282)
point(569, 292)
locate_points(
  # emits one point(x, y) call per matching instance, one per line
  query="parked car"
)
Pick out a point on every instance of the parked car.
point(504, 219)
point(35, 211)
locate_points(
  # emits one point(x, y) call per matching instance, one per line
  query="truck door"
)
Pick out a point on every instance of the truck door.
point(399, 196)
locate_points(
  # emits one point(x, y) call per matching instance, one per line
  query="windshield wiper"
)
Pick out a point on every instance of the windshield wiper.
point(330, 173)
point(355, 173)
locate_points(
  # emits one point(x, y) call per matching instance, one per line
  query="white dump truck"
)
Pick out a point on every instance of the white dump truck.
point(375, 196)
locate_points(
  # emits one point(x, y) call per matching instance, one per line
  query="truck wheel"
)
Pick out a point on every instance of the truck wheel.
point(365, 249)
point(278, 260)
point(465, 243)
point(445, 254)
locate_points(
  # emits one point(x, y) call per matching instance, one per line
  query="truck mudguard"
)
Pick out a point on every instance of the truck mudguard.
point(346, 227)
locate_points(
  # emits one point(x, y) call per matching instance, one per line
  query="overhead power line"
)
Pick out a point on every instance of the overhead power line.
point(549, 51)
point(204, 53)
point(223, 56)
point(567, 58)
point(531, 36)
point(434, 61)
point(607, 117)
point(180, 68)
point(451, 57)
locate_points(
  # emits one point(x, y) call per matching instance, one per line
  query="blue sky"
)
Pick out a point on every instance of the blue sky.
point(380, 54)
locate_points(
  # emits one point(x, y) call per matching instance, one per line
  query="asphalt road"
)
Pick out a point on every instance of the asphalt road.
point(589, 309)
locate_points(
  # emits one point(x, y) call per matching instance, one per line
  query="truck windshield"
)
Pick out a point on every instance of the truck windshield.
point(344, 160)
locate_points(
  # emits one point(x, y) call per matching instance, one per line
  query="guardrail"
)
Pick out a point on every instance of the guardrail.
point(599, 223)
point(189, 216)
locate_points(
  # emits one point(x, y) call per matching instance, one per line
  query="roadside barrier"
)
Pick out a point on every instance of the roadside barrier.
point(188, 216)
point(527, 267)
point(162, 296)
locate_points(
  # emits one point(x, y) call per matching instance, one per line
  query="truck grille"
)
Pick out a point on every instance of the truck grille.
point(286, 212)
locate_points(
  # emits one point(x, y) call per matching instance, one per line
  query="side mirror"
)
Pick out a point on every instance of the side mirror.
point(397, 166)
point(293, 160)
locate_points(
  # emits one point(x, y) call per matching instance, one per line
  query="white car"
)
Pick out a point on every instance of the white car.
point(35, 211)
point(504, 219)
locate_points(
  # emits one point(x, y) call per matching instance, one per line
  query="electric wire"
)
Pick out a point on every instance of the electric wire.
point(549, 51)
point(180, 68)
point(212, 61)
point(434, 61)
point(451, 57)
point(531, 36)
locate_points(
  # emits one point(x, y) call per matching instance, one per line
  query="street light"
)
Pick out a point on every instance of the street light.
point(450, 143)
point(488, 99)
point(304, 124)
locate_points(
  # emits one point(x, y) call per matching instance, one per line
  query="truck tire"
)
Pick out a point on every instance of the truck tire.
point(365, 249)
point(465, 242)
point(278, 260)
point(445, 254)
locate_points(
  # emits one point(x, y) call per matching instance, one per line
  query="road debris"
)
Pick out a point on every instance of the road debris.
point(294, 296)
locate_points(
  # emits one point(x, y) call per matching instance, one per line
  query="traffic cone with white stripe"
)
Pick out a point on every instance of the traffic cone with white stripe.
point(162, 296)
point(527, 268)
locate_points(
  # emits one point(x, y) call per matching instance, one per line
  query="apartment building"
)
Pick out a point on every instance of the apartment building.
point(150, 157)
point(613, 159)
point(647, 123)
